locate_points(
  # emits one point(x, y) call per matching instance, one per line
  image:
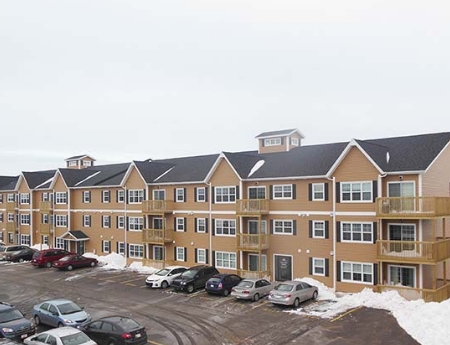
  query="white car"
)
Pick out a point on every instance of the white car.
point(164, 277)
point(60, 336)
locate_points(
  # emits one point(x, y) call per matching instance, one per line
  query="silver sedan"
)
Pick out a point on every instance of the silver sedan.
point(293, 293)
point(252, 289)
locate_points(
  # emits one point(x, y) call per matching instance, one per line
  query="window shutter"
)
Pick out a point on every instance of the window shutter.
point(175, 195)
point(184, 195)
point(282, 140)
point(310, 191)
point(338, 273)
point(294, 227)
point(109, 223)
point(338, 192)
point(117, 247)
point(310, 266)
point(117, 222)
point(207, 256)
point(375, 233)
point(195, 194)
point(127, 221)
point(89, 196)
point(126, 196)
point(195, 228)
point(185, 254)
point(144, 194)
point(90, 221)
point(327, 229)
point(185, 224)
point(213, 227)
point(195, 253)
point(326, 191)
point(206, 225)
point(374, 190)
point(375, 274)
point(327, 267)
point(237, 193)
point(117, 198)
point(82, 197)
point(127, 254)
point(271, 226)
point(262, 142)
point(175, 253)
point(338, 231)
point(271, 192)
point(294, 191)
point(213, 198)
point(206, 193)
point(175, 223)
point(214, 258)
point(109, 246)
point(310, 229)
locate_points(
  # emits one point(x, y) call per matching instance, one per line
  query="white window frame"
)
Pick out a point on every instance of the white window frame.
point(45, 218)
point(87, 163)
point(263, 262)
point(157, 193)
point(86, 221)
point(135, 196)
point(263, 227)
point(283, 226)
point(120, 196)
point(225, 194)
point(106, 221)
point(10, 197)
point(295, 141)
point(45, 196)
point(201, 225)
point(318, 226)
point(223, 229)
point(120, 222)
point(44, 239)
point(366, 196)
point(179, 221)
point(179, 193)
point(121, 248)
point(272, 141)
point(72, 163)
point(158, 250)
point(201, 256)
point(352, 229)
point(61, 198)
point(180, 254)
point(348, 267)
point(135, 223)
point(61, 221)
point(86, 197)
point(1, 217)
point(318, 192)
point(10, 217)
point(226, 260)
point(135, 251)
point(282, 191)
point(60, 243)
point(24, 198)
point(25, 239)
point(106, 247)
point(106, 196)
point(318, 267)
point(201, 194)
point(391, 282)
point(24, 219)
point(258, 192)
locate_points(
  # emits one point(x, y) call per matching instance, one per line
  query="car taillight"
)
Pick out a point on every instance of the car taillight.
point(288, 295)
point(220, 286)
point(126, 336)
point(246, 291)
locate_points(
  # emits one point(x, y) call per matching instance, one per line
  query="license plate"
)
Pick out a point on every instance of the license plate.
point(23, 336)
point(138, 335)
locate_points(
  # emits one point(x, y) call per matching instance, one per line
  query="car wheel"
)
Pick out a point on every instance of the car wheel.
point(21, 260)
point(37, 320)
point(111, 342)
point(190, 288)
point(256, 297)
point(60, 324)
point(226, 292)
point(92, 264)
point(69, 268)
point(314, 296)
point(296, 303)
point(48, 264)
point(164, 284)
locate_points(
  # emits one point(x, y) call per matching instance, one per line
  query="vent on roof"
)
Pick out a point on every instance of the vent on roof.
point(388, 157)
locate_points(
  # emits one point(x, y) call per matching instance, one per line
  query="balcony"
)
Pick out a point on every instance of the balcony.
point(253, 274)
point(252, 207)
point(45, 206)
point(157, 206)
point(157, 236)
point(11, 227)
point(413, 207)
point(252, 242)
point(44, 229)
point(413, 251)
point(11, 206)
point(428, 295)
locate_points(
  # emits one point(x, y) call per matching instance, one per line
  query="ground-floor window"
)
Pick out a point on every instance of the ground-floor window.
point(45, 239)
point(402, 275)
point(318, 267)
point(201, 256)
point(121, 248)
point(226, 260)
point(356, 272)
point(253, 262)
point(25, 239)
point(158, 253)
point(136, 251)
point(180, 254)
point(60, 243)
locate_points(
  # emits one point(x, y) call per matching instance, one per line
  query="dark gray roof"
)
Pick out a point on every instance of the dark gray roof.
point(272, 133)
point(100, 175)
point(409, 153)
point(37, 178)
point(8, 183)
point(78, 234)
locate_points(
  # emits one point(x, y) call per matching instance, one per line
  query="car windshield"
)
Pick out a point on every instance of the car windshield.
point(189, 273)
point(75, 339)
point(69, 308)
point(10, 315)
point(2, 249)
point(284, 287)
point(245, 284)
point(162, 272)
point(214, 280)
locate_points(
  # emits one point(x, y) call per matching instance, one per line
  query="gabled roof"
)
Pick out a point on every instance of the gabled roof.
point(37, 178)
point(283, 132)
point(8, 183)
point(78, 157)
point(100, 175)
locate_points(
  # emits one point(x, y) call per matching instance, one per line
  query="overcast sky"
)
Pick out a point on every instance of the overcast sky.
point(123, 80)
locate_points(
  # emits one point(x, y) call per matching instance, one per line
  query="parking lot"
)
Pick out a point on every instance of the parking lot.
point(173, 318)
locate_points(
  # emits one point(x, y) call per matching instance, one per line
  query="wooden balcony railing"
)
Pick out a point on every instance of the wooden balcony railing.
point(252, 242)
point(157, 206)
point(428, 295)
point(45, 229)
point(157, 236)
point(413, 207)
point(413, 251)
point(254, 274)
point(11, 227)
point(45, 206)
point(252, 207)
point(11, 206)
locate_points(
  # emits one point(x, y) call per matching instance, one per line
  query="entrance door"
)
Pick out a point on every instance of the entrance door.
point(253, 263)
point(404, 190)
point(402, 233)
point(283, 267)
point(81, 247)
point(405, 276)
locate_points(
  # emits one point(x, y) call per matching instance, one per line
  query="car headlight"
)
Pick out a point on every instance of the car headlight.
point(7, 330)
point(68, 321)
point(183, 283)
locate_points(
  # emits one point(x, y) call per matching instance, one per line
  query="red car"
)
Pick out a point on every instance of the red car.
point(72, 261)
point(44, 258)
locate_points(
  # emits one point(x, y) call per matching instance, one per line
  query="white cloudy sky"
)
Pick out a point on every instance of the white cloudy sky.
point(135, 79)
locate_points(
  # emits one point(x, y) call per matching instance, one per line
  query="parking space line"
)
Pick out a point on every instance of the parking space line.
point(345, 314)
point(153, 342)
point(131, 280)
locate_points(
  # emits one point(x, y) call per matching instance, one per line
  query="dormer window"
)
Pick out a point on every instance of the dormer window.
point(294, 141)
point(72, 163)
point(272, 142)
point(87, 163)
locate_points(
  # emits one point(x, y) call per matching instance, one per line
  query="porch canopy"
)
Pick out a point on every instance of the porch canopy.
point(75, 235)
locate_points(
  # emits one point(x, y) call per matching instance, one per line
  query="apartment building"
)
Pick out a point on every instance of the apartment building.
point(353, 215)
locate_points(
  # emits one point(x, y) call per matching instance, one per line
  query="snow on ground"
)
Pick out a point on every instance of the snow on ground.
point(425, 322)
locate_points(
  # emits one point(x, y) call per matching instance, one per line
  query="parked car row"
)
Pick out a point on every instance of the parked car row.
point(189, 279)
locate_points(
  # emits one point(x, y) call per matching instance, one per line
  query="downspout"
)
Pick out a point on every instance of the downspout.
point(68, 219)
point(421, 230)
point(334, 235)
point(210, 222)
point(31, 219)
point(380, 237)
point(125, 199)
point(241, 255)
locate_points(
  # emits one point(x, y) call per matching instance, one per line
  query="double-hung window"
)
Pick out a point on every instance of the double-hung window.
point(180, 195)
point(136, 251)
point(135, 223)
point(106, 247)
point(201, 225)
point(225, 227)
point(283, 227)
point(318, 191)
point(200, 194)
point(226, 260)
point(225, 195)
point(282, 191)
point(120, 222)
point(357, 232)
point(180, 254)
point(86, 197)
point(61, 198)
point(120, 196)
point(201, 256)
point(356, 191)
point(25, 219)
point(86, 221)
point(106, 196)
point(318, 229)
point(180, 224)
point(24, 198)
point(61, 221)
point(257, 192)
point(318, 266)
point(135, 196)
point(357, 272)
point(106, 221)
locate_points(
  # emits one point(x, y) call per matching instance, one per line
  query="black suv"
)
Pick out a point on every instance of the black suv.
point(13, 324)
point(194, 278)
